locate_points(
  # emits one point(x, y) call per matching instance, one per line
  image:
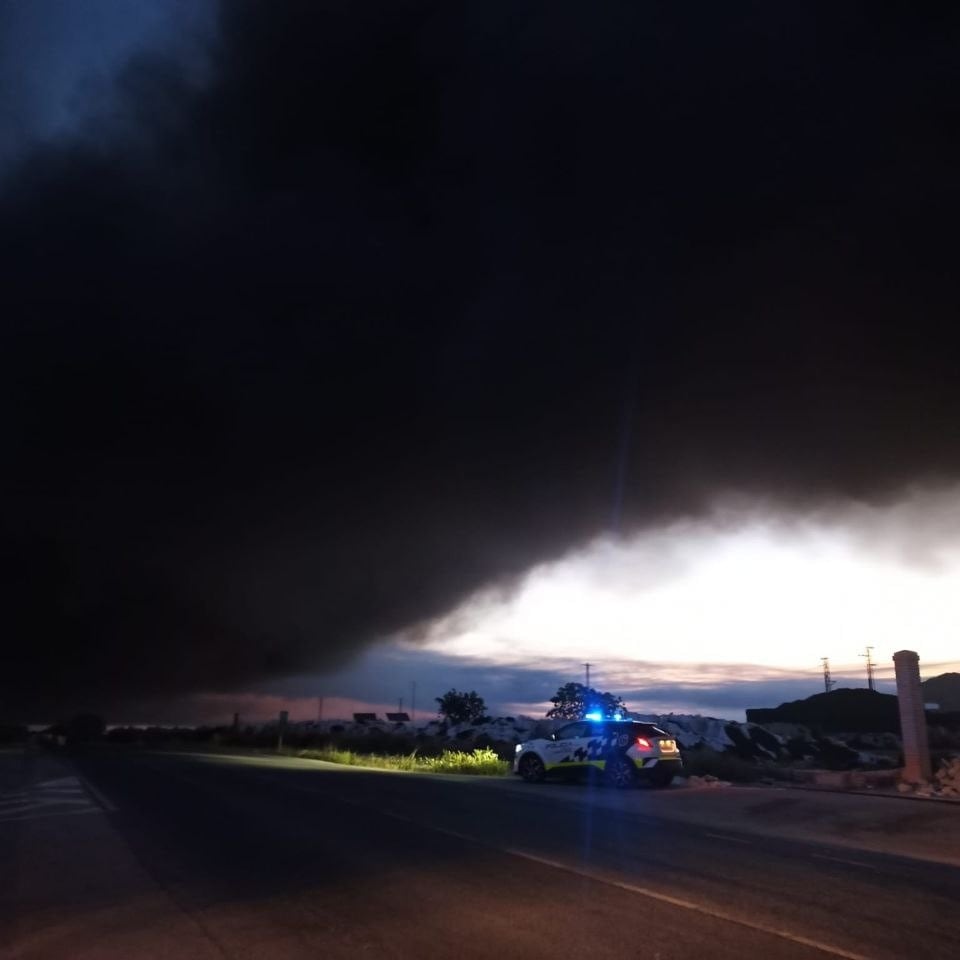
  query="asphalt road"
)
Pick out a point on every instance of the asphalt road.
point(262, 859)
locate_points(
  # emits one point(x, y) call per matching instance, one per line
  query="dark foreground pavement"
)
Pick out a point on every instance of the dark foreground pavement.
point(132, 855)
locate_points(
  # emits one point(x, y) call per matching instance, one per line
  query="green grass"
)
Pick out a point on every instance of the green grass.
point(482, 762)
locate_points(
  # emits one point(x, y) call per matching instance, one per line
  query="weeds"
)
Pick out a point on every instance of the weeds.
point(482, 762)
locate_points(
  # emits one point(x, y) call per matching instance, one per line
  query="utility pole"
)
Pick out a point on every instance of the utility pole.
point(587, 668)
point(827, 681)
point(413, 701)
point(869, 659)
point(319, 709)
point(399, 704)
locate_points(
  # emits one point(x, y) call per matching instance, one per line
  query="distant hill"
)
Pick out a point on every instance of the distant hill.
point(840, 711)
point(943, 690)
point(858, 710)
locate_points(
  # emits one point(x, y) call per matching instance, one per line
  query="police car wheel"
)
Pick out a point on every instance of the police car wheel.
point(620, 773)
point(532, 769)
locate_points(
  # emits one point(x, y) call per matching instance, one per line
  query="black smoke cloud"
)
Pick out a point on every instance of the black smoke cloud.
point(408, 296)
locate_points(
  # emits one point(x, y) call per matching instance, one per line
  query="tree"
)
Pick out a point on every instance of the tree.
point(574, 700)
point(457, 707)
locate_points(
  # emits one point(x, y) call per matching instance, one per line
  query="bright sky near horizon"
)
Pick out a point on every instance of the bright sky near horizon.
point(743, 587)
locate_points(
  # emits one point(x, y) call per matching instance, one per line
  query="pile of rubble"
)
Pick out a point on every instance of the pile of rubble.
point(945, 783)
point(707, 780)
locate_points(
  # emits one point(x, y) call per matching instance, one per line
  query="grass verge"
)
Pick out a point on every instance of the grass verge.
point(482, 762)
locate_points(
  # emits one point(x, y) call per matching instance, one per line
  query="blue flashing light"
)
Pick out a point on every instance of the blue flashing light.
point(593, 715)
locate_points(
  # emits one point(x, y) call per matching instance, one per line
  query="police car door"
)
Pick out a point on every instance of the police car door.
point(569, 748)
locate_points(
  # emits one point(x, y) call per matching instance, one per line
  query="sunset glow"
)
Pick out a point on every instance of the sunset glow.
point(773, 592)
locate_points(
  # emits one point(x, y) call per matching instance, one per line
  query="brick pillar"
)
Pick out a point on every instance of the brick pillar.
point(913, 721)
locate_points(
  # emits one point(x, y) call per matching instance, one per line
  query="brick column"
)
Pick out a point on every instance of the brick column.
point(913, 721)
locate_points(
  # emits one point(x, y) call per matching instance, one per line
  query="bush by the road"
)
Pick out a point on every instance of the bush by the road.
point(481, 762)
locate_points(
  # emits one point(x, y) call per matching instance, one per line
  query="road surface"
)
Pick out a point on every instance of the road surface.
point(200, 856)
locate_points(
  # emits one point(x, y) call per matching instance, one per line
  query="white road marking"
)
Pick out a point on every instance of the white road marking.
point(42, 802)
point(723, 836)
point(62, 783)
point(696, 907)
point(43, 816)
point(853, 863)
point(99, 796)
point(50, 798)
point(700, 908)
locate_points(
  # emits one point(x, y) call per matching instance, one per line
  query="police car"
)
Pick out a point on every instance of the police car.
point(623, 751)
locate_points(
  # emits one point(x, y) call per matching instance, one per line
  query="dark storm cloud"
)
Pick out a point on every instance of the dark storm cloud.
point(58, 57)
point(408, 296)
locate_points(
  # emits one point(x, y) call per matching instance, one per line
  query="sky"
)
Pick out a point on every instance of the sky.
point(351, 345)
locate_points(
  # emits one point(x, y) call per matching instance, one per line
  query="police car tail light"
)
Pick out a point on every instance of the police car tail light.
point(643, 744)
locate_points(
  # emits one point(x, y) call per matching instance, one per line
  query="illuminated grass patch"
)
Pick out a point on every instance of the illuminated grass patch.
point(482, 762)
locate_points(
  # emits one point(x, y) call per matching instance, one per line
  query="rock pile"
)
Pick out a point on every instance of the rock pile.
point(947, 779)
point(707, 780)
point(945, 783)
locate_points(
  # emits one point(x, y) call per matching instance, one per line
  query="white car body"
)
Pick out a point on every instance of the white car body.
point(623, 750)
